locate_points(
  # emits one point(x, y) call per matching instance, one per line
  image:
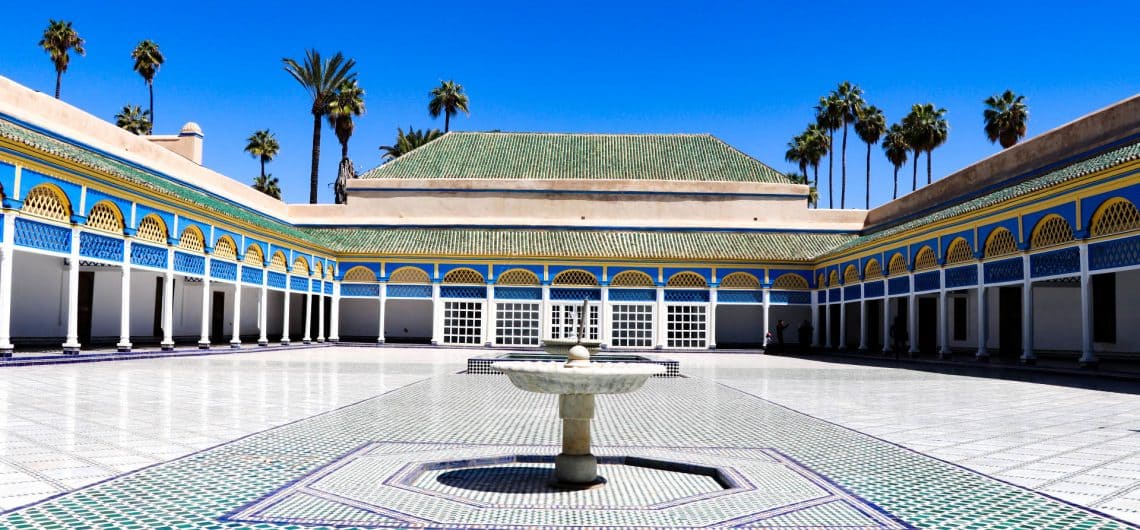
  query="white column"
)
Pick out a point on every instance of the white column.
point(815, 329)
point(826, 323)
point(544, 311)
point(1027, 354)
point(436, 315)
point(167, 343)
point(124, 344)
point(660, 327)
point(843, 321)
point(383, 303)
point(489, 317)
point(71, 345)
point(766, 302)
point(607, 333)
point(7, 257)
point(285, 315)
point(912, 318)
point(713, 297)
point(1088, 358)
point(204, 337)
point(863, 323)
point(334, 319)
point(887, 346)
point(235, 341)
point(321, 313)
point(943, 319)
point(308, 338)
point(263, 311)
point(983, 316)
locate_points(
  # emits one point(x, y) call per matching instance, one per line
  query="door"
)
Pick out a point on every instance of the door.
point(927, 324)
point(86, 299)
point(874, 329)
point(217, 316)
point(1009, 321)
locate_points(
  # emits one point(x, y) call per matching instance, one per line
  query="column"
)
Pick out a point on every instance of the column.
point(983, 316)
point(436, 315)
point(334, 319)
point(713, 297)
point(308, 338)
point(826, 323)
point(167, 343)
point(815, 319)
point(912, 318)
point(235, 341)
point(7, 257)
point(285, 315)
point(124, 344)
point(843, 323)
point(943, 320)
point(383, 302)
point(204, 337)
point(1088, 358)
point(863, 323)
point(766, 304)
point(606, 334)
point(1027, 354)
point(71, 345)
point(489, 317)
point(660, 328)
point(263, 312)
point(544, 312)
point(320, 311)
point(887, 346)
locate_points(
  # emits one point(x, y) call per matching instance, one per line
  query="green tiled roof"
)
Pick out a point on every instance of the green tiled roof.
point(1085, 167)
point(553, 243)
point(685, 157)
point(161, 186)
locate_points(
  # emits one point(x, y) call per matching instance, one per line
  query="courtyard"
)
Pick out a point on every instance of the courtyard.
point(397, 437)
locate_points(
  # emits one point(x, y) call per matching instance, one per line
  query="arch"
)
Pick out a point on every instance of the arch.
point(518, 277)
point(106, 216)
point(225, 248)
point(463, 275)
point(873, 269)
point(318, 269)
point(959, 251)
point(851, 275)
point(575, 277)
point(632, 279)
point(1114, 216)
point(819, 281)
point(833, 278)
point(687, 279)
point(790, 281)
point(254, 256)
point(360, 273)
point(1000, 243)
point(743, 280)
point(49, 202)
point(301, 266)
point(897, 264)
point(192, 239)
point(409, 275)
point(329, 272)
point(1050, 231)
point(278, 262)
point(152, 228)
point(925, 259)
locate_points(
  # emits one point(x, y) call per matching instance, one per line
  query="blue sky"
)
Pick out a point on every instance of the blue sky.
point(746, 72)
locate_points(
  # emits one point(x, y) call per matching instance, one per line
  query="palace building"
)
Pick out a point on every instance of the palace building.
point(495, 239)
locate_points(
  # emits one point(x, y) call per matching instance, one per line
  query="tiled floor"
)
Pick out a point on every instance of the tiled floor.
point(65, 426)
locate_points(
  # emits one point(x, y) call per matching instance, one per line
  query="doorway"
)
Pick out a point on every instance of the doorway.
point(1009, 321)
point(927, 324)
point(86, 300)
point(874, 329)
point(217, 316)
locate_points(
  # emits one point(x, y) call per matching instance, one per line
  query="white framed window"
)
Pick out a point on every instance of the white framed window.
point(564, 321)
point(632, 326)
point(686, 326)
point(517, 323)
point(462, 322)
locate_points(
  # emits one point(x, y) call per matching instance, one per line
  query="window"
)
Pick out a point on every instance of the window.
point(564, 321)
point(462, 322)
point(516, 323)
point(960, 318)
point(632, 326)
point(687, 326)
point(1104, 307)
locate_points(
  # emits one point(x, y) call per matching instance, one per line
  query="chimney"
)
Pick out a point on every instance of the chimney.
point(187, 143)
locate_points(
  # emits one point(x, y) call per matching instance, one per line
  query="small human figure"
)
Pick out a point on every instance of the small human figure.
point(781, 325)
point(899, 335)
point(804, 333)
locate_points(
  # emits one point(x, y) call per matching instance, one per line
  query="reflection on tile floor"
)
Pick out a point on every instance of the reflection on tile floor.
point(62, 427)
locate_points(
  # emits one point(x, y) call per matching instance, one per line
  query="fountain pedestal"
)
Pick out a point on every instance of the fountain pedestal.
point(576, 466)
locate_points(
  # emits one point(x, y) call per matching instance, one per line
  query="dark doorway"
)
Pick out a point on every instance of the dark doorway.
point(1009, 321)
point(820, 320)
point(156, 327)
point(874, 329)
point(927, 324)
point(833, 325)
point(900, 328)
point(217, 317)
point(86, 300)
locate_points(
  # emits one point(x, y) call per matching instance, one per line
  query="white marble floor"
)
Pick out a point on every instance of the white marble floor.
point(66, 426)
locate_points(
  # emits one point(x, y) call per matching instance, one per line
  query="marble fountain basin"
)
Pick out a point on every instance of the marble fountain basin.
point(556, 378)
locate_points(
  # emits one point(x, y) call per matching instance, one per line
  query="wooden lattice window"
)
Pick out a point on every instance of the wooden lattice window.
point(254, 256)
point(959, 252)
point(873, 270)
point(278, 263)
point(1000, 243)
point(632, 279)
point(925, 259)
point(225, 249)
point(152, 229)
point(518, 277)
point(191, 239)
point(741, 280)
point(47, 202)
point(329, 272)
point(833, 278)
point(575, 277)
point(791, 281)
point(1052, 230)
point(105, 216)
point(318, 269)
point(819, 281)
point(360, 274)
point(409, 275)
point(687, 279)
point(301, 266)
point(1114, 217)
point(851, 275)
point(898, 265)
point(464, 276)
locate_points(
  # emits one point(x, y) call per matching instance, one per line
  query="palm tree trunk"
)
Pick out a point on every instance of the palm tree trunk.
point(830, 168)
point(344, 151)
point(446, 121)
point(316, 159)
point(58, 81)
point(928, 167)
point(150, 86)
point(843, 168)
point(895, 194)
point(914, 178)
point(262, 166)
point(868, 176)
point(816, 184)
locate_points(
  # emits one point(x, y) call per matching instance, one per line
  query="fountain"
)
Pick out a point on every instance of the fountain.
point(577, 382)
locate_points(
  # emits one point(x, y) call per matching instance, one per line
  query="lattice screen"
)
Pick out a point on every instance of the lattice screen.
point(329, 272)
point(925, 260)
point(360, 274)
point(1114, 218)
point(833, 278)
point(253, 256)
point(152, 229)
point(632, 279)
point(191, 240)
point(301, 266)
point(104, 216)
point(851, 275)
point(687, 279)
point(225, 249)
point(319, 270)
point(873, 270)
point(898, 265)
point(742, 280)
point(1000, 243)
point(959, 252)
point(464, 276)
point(819, 281)
point(1052, 230)
point(575, 277)
point(791, 281)
point(278, 262)
point(518, 277)
point(409, 275)
point(44, 201)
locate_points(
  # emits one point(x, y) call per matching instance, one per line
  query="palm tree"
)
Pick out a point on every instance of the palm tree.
point(447, 99)
point(320, 78)
point(926, 131)
point(346, 103)
point(263, 145)
point(1006, 116)
point(60, 38)
point(848, 100)
point(267, 184)
point(133, 119)
point(870, 127)
point(802, 178)
point(896, 148)
point(147, 60)
point(829, 117)
point(406, 143)
point(816, 144)
point(797, 153)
